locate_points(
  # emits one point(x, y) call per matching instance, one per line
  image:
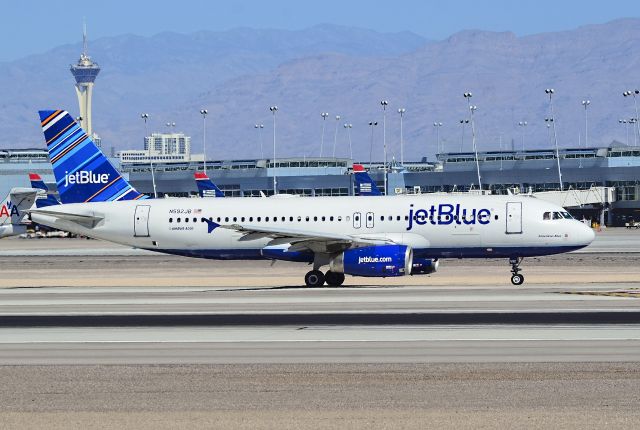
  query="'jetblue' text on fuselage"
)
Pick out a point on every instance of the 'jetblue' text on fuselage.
point(445, 214)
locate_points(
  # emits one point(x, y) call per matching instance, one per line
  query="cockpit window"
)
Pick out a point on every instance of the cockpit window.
point(567, 215)
point(557, 215)
point(546, 216)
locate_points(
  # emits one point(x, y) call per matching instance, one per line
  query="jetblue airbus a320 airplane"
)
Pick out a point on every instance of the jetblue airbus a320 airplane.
point(359, 236)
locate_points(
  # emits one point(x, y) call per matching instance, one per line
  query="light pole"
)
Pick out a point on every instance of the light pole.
point(349, 127)
point(437, 126)
point(324, 116)
point(273, 110)
point(586, 104)
point(384, 104)
point(633, 121)
point(472, 110)
point(401, 111)
point(548, 121)
point(626, 127)
point(145, 117)
point(462, 124)
point(522, 125)
point(550, 92)
point(335, 136)
point(204, 113)
point(259, 127)
point(633, 94)
point(371, 125)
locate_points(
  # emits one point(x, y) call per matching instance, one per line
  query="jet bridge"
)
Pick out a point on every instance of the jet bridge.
point(594, 199)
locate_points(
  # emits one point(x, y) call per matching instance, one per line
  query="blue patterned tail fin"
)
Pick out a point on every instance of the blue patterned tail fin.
point(38, 183)
point(82, 172)
point(364, 185)
point(206, 187)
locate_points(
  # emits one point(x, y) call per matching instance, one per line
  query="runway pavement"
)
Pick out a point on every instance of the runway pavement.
point(95, 335)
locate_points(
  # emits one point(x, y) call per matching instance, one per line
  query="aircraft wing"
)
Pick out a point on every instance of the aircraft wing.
point(300, 240)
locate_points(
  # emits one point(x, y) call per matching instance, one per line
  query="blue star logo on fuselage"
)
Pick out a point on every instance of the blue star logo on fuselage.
point(210, 224)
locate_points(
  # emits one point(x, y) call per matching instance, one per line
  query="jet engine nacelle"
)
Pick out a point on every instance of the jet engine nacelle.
point(374, 261)
point(424, 266)
point(12, 230)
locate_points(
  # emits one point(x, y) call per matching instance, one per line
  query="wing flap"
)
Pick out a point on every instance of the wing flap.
point(301, 240)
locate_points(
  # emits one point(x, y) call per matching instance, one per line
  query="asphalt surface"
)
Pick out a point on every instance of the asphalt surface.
point(95, 336)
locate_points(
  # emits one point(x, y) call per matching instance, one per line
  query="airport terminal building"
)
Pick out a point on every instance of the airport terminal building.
point(501, 172)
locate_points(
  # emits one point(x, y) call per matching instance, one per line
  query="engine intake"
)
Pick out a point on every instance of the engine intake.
point(374, 261)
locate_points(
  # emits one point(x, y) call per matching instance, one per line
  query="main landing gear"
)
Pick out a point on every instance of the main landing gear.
point(316, 278)
point(516, 277)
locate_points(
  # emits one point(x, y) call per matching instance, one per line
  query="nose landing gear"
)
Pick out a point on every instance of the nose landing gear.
point(516, 277)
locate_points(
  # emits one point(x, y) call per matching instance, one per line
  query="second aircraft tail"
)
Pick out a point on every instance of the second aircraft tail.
point(206, 187)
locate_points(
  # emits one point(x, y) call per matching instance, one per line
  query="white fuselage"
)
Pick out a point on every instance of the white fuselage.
point(432, 225)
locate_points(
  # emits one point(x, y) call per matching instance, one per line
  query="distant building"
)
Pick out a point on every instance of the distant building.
point(161, 147)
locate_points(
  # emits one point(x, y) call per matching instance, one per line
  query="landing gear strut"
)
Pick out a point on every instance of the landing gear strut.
point(314, 278)
point(516, 277)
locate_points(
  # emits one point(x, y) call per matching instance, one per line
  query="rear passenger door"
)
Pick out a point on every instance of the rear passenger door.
point(514, 218)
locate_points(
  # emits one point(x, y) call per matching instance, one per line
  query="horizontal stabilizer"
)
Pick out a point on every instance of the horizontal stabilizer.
point(67, 216)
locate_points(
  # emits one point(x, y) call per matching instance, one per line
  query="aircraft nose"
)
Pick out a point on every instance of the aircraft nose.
point(585, 235)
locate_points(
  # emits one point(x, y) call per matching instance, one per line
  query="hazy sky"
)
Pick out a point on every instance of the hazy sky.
point(29, 27)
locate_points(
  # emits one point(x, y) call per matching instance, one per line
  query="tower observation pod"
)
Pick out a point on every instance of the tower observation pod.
point(85, 72)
